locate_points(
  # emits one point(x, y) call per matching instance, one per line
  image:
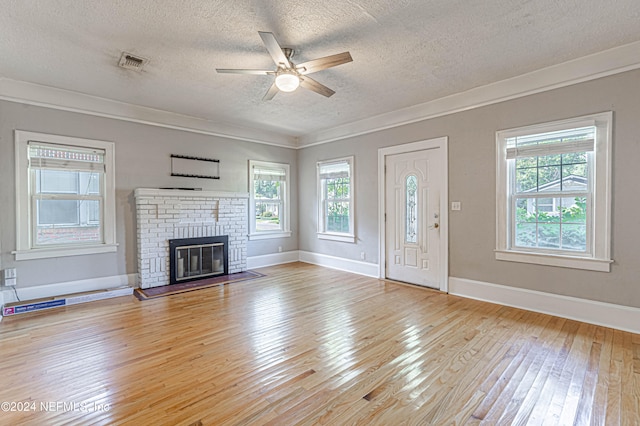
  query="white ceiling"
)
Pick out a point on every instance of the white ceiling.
point(404, 52)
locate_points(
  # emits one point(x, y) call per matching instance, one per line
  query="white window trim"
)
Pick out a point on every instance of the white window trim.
point(600, 257)
point(337, 236)
point(24, 250)
point(286, 224)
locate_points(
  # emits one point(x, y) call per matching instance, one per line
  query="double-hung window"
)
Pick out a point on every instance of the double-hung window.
point(553, 193)
point(65, 194)
point(336, 200)
point(269, 192)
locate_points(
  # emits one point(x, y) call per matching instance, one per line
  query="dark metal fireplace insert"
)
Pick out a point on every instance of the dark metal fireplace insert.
point(193, 259)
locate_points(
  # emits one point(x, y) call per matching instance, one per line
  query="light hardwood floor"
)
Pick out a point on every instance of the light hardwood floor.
point(308, 345)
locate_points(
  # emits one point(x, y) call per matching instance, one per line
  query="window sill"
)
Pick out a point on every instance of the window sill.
point(590, 264)
point(345, 238)
point(45, 253)
point(269, 235)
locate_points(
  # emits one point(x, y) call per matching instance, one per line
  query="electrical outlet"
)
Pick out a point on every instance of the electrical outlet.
point(10, 273)
point(362, 255)
point(455, 205)
point(10, 277)
point(279, 249)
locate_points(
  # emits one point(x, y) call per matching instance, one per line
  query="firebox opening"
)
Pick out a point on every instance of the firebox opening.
point(193, 259)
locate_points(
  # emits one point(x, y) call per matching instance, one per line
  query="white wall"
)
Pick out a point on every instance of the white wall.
point(142, 160)
point(472, 181)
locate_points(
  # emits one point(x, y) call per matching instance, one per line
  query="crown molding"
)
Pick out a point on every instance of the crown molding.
point(601, 64)
point(66, 100)
point(597, 65)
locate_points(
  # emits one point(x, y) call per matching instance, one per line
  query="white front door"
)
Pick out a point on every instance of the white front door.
point(412, 186)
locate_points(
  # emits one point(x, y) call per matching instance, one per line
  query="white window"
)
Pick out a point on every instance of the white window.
point(553, 193)
point(335, 200)
point(65, 196)
point(269, 192)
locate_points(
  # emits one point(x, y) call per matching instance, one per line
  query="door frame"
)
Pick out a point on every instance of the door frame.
point(439, 143)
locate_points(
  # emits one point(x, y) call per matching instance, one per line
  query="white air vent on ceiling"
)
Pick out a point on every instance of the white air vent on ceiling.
point(132, 62)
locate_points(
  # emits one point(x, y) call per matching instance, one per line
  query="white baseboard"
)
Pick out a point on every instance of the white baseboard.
point(272, 259)
point(353, 266)
point(620, 317)
point(70, 287)
point(347, 265)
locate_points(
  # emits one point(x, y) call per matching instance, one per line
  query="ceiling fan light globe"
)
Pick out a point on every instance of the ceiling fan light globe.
point(287, 82)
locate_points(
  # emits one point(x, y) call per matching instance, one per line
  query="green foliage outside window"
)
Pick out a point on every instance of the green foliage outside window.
point(564, 228)
point(269, 189)
point(267, 195)
point(538, 173)
point(338, 210)
point(555, 222)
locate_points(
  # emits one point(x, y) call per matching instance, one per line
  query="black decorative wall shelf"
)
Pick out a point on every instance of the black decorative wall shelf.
point(195, 167)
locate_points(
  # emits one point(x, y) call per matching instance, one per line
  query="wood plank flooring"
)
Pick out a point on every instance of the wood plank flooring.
point(308, 345)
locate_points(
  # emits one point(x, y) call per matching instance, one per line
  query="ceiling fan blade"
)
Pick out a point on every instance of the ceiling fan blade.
point(241, 71)
point(273, 90)
point(274, 49)
point(324, 63)
point(311, 84)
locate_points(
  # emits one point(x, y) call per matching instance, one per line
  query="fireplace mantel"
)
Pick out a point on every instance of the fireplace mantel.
point(156, 192)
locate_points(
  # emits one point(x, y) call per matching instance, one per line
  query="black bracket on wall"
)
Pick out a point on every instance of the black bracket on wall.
point(195, 167)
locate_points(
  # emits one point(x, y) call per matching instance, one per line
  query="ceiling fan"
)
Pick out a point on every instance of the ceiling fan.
point(288, 75)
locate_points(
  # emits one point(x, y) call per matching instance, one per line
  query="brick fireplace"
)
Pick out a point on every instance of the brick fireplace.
point(168, 214)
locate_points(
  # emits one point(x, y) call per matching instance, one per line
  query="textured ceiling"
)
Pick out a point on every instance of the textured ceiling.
point(404, 52)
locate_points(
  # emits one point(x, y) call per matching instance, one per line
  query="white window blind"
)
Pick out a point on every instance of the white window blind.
point(59, 157)
point(551, 143)
point(336, 170)
point(269, 173)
